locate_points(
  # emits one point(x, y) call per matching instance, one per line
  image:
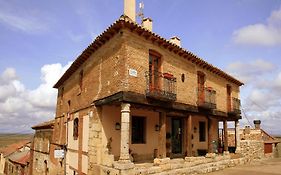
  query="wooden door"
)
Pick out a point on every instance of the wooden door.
point(154, 72)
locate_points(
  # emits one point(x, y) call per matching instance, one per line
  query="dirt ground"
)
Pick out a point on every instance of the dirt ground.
point(266, 167)
point(7, 139)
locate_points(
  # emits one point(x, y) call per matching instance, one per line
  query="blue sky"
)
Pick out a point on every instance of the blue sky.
point(39, 39)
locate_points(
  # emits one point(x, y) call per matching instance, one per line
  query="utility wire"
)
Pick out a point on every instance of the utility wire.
point(246, 117)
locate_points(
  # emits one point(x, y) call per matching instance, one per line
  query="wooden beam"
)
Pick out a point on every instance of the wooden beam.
point(189, 136)
point(225, 135)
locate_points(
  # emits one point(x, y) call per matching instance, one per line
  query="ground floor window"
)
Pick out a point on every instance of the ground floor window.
point(138, 129)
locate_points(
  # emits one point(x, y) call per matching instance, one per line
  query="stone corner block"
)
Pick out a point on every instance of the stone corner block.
point(158, 161)
point(123, 165)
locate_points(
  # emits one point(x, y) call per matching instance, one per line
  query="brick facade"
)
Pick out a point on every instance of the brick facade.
point(101, 81)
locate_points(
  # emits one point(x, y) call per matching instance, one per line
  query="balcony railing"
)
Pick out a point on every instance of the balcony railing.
point(207, 98)
point(235, 108)
point(161, 86)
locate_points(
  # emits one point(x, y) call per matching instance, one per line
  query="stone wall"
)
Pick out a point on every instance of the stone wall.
point(189, 165)
point(252, 149)
point(278, 150)
point(41, 159)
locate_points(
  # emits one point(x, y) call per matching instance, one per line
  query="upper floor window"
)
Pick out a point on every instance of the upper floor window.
point(62, 92)
point(81, 75)
point(75, 128)
point(228, 97)
point(138, 130)
point(201, 79)
point(154, 69)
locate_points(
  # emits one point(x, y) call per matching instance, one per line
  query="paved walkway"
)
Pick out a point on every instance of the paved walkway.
point(266, 167)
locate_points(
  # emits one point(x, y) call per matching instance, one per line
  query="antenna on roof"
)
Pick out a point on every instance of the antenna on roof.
point(140, 13)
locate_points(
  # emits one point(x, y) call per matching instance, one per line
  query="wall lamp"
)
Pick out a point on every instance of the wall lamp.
point(117, 126)
point(194, 129)
point(157, 127)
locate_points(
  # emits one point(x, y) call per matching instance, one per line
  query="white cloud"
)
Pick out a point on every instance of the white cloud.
point(261, 93)
point(20, 107)
point(28, 20)
point(267, 34)
point(248, 72)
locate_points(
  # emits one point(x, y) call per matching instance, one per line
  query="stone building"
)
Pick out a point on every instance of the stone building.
point(40, 149)
point(14, 158)
point(262, 144)
point(133, 96)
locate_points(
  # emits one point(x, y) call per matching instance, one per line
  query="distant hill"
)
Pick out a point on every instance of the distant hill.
point(7, 139)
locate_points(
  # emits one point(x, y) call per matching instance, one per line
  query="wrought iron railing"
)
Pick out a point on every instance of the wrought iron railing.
point(207, 98)
point(235, 108)
point(161, 86)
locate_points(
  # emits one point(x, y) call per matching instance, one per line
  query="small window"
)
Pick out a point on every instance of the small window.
point(138, 130)
point(81, 75)
point(62, 92)
point(75, 129)
point(202, 131)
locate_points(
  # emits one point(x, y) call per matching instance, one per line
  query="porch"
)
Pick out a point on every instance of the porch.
point(139, 131)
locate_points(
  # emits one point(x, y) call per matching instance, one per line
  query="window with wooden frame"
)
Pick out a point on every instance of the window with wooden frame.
point(154, 70)
point(75, 128)
point(201, 86)
point(202, 131)
point(81, 75)
point(61, 93)
point(138, 130)
point(228, 97)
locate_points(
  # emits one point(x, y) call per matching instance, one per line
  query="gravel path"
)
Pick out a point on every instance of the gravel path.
point(265, 167)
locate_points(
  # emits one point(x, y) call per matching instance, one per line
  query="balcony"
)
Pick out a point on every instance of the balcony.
point(161, 86)
point(235, 107)
point(206, 98)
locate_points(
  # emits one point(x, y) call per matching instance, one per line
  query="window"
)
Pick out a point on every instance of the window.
point(81, 75)
point(61, 92)
point(154, 69)
point(202, 131)
point(75, 129)
point(228, 97)
point(201, 84)
point(138, 130)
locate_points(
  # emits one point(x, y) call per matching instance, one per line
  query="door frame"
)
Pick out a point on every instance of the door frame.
point(182, 136)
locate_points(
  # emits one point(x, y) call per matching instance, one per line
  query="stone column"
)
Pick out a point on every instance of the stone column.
point(237, 136)
point(225, 135)
point(189, 135)
point(162, 136)
point(125, 128)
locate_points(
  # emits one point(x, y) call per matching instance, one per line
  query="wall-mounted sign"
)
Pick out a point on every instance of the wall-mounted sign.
point(59, 154)
point(133, 72)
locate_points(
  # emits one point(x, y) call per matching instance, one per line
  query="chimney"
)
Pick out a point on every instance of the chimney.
point(247, 129)
point(130, 9)
point(147, 23)
point(176, 40)
point(257, 124)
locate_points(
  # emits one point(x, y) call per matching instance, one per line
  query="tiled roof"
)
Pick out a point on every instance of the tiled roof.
point(44, 125)
point(125, 22)
point(21, 157)
point(6, 151)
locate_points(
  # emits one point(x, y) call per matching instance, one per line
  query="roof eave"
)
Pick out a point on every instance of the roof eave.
point(122, 22)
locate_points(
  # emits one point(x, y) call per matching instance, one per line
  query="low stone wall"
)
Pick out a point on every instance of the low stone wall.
point(189, 165)
point(252, 149)
point(278, 150)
